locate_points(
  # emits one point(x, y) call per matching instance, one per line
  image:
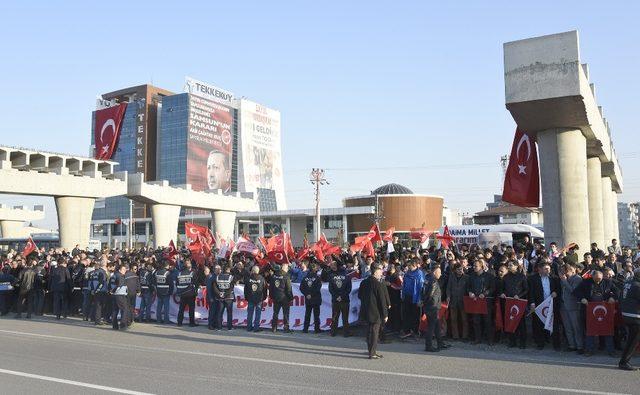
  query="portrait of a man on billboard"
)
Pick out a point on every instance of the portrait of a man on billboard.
point(218, 171)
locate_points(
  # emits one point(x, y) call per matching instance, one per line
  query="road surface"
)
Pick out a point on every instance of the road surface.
point(44, 355)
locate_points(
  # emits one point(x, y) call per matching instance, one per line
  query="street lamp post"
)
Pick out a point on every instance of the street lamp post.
point(317, 178)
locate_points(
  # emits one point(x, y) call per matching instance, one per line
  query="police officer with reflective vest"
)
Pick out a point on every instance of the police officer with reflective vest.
point(281, 294)
point(146, 292)
point(86, 292)
point(7, 287)
point(98, 287)
point(340, 289)
point(310, 287)
point(186, 289)
point(223, 295)
point(255, 291)
point(164, 289)
point(77, 274)
point(119, 292)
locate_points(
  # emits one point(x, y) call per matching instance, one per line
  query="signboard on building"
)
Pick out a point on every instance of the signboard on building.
point(260, 154)
point(208, 91)
point(209, 145)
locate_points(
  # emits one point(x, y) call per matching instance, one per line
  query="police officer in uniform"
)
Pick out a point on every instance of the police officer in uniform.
point(340, 289)
point(146, 292)
point(223, 295)
point(87, 308)
point(255, 291)
point(282, 295)
point(310, 288)
point(630, 307)
point(7, 286)
point(164, 289)
point(119, 292)
point(98, 286)
point(40, 288)
point(187, 291)
point(77, 274)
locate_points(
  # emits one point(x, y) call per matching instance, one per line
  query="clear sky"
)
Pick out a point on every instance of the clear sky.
point(375, 92)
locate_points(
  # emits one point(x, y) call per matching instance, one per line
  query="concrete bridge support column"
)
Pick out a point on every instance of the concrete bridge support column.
point(224, 223)
point(615, 224)
point(165, 224)
point(74, 220)
point(596, 220)
point(563, 171)
point(607, 213)
point(11, 228)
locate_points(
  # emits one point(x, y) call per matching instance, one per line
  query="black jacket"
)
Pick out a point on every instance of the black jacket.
point(514, 284)
point(630, 304)
point(373, 302)
point(280, 288)
point(431, 295)
point(59, 279)
point(222, 286)
point(339, 286)
point(484, 284)
point(593, 292)
point(7, 282)
point(311, 285)
point(255, 288)
point(536, 292)
point(133, 283)
point(26, 280)
point(146, 280)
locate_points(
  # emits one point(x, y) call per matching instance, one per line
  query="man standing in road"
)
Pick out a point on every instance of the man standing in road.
point(374, 309)
point(431, 303)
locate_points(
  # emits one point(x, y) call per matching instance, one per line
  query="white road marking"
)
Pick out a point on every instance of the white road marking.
point(71, 382)
point(318, 366)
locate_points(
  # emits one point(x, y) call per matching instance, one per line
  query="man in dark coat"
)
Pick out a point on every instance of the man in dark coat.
point(373, 308)
point(431, 304)
point(60, 284)
point(630, 306)
point(310, 286)
point(542, 285)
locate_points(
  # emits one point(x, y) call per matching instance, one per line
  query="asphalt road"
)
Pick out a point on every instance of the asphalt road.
point(72, 357)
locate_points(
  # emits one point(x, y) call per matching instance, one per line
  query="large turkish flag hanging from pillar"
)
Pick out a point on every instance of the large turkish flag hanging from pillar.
point(107, 130)
point(522, 180)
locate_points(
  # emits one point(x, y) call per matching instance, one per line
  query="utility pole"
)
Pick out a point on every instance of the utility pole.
point(317, 179)
point(130, 227)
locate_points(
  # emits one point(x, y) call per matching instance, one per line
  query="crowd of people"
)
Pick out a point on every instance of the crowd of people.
point(407, 293)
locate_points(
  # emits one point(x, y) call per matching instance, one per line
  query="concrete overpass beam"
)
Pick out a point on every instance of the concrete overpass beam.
point(594, 184)
point(74, 220)
point(11, 228)
point(607, 212)
point(563, 170)
point(224, 223)
point(165, 223)
point(19, 159)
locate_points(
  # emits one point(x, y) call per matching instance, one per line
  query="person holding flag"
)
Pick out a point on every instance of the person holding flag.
point(481, 285)
point(514, 285)
point(543, 285)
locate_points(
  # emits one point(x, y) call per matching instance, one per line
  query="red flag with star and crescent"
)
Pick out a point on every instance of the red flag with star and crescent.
point(446, 239)
point(106, 131)
point(514, 310)
point(600, 318)
point(522, 179)
point(29, 247)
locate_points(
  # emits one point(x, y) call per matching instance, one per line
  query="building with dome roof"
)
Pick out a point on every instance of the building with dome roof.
point(397, 206)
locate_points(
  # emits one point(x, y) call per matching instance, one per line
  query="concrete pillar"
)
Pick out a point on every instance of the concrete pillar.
point(563, 171)
point(260, 227)
point(594, 185)
point(224, 223)
point(108, 235)
point(146, 234)
point(316, 235)
point(345, 230)
point(11, 228)
point(165, 223)
point(288, 224)
point(607, 213)
point(74, 220)
point(616, 224)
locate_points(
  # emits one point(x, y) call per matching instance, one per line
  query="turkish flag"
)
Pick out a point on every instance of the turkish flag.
point(498, 321)
point(600, 318)
point(475, 305)
point(317, 252)
point(446, 238)
point(514, 310)
point(29, 247)
point(419, 234)
point(278, 257)
point(374, 234)
point(171, 252)
point(247, 247)
point(522, 180)
point(201, 238)
point(106, 131)
point(388, 234)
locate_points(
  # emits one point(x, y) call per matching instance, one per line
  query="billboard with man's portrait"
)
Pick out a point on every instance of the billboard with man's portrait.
point(209, 145)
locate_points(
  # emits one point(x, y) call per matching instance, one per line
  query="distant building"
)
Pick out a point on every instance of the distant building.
point(509, 215)
point(629, 223)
